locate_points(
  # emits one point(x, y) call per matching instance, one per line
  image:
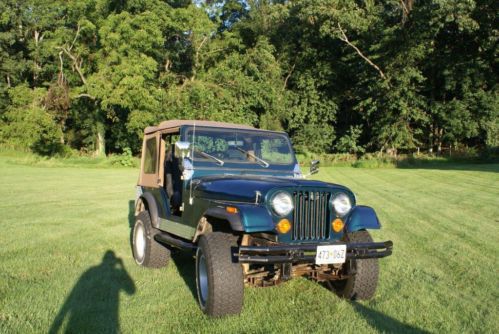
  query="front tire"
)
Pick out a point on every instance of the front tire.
point(362, 284)
point(219, 279)
point(147, 252)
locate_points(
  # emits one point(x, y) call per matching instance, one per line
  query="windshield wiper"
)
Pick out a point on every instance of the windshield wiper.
point(204, 154)
point(261, 161)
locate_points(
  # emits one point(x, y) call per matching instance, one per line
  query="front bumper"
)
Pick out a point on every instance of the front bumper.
point(285, 253)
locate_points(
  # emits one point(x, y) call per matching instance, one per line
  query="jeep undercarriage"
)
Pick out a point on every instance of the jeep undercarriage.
point(258, 275)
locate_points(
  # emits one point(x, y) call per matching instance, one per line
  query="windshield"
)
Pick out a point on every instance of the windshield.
point(240, 146)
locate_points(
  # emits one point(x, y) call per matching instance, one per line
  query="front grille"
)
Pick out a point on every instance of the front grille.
point(310, 215)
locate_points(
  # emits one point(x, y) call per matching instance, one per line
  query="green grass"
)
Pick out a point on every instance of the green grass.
point(58, 223)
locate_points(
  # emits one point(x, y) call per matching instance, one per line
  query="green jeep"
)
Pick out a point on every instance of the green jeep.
point(235, 196)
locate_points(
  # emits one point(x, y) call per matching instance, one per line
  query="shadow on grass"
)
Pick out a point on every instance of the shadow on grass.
point(93, 304)
point(131, 221)
point(383, 323)
point(131, 213)
point(186, 267)
point(183, 260)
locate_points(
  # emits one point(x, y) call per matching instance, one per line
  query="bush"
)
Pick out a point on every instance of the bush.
point(350, 141)
point(375, 161)
point(28, 126)
point(31, 129)
point(125, 159)
point(338, 159)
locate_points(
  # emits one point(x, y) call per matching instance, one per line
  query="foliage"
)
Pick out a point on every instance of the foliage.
point(68, 159)
point(349, 143)
point(338, 76)
point(28, 124)
point(125, 159)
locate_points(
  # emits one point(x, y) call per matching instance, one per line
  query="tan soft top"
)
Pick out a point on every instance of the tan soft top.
point(174, 125)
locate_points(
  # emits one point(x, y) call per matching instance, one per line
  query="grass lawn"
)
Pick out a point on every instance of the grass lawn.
point(66, 264)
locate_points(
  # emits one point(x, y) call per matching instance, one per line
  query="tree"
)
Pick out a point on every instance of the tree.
point(336, 75)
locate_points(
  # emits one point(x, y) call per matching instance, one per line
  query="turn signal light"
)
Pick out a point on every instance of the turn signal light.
point(283, 226)
point(337, 225)
point(231, 209)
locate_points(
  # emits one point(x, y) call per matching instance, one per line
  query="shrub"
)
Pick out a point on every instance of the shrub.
point(32, 128)
point(350, 141)
point(28, 126)
point(125, 159)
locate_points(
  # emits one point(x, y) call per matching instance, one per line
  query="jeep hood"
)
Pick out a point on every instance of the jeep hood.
point(243, 188)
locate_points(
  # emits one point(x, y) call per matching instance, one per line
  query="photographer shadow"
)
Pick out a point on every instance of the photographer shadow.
point(93, 304)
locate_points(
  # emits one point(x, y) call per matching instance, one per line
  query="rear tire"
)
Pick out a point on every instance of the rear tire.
point(219, 279)
point(361, 285)
point(147, 252)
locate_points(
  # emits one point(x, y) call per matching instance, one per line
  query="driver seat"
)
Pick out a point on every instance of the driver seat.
point(173, 179)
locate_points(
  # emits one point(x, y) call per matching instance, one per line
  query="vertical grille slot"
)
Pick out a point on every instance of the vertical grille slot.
point(310, 215)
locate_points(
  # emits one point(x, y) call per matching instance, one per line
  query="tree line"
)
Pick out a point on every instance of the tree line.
point(338, 76)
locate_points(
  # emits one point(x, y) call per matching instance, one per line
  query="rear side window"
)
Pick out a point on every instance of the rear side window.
point(151, 156)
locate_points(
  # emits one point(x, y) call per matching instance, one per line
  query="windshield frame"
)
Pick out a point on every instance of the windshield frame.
point(186, 130)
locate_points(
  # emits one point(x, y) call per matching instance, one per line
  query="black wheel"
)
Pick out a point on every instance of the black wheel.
point(219, 279)
point(147, 252)
point(362, 284)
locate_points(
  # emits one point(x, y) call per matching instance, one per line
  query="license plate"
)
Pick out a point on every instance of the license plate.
point(329, 254)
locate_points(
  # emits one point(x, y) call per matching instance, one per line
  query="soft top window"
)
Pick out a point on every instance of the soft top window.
point(151, 156)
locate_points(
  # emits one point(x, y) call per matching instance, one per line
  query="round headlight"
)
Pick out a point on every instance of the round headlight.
point(282, 203)
point(341, 204)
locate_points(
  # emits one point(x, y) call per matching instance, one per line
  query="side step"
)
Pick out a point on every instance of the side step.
point(167, 238)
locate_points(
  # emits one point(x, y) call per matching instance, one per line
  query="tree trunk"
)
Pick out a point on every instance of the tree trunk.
point(36, 66)
point(100, 149)
point(406, 9)
point(430, 139)
point(438, 139)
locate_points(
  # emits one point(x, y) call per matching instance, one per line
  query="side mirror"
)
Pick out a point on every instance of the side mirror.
point(182, 149)
point(314, 167)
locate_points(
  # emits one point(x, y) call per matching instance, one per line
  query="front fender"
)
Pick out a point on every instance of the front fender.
point(152, 207)
point(249, 218)
point(256, 218)
point(362, 217)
